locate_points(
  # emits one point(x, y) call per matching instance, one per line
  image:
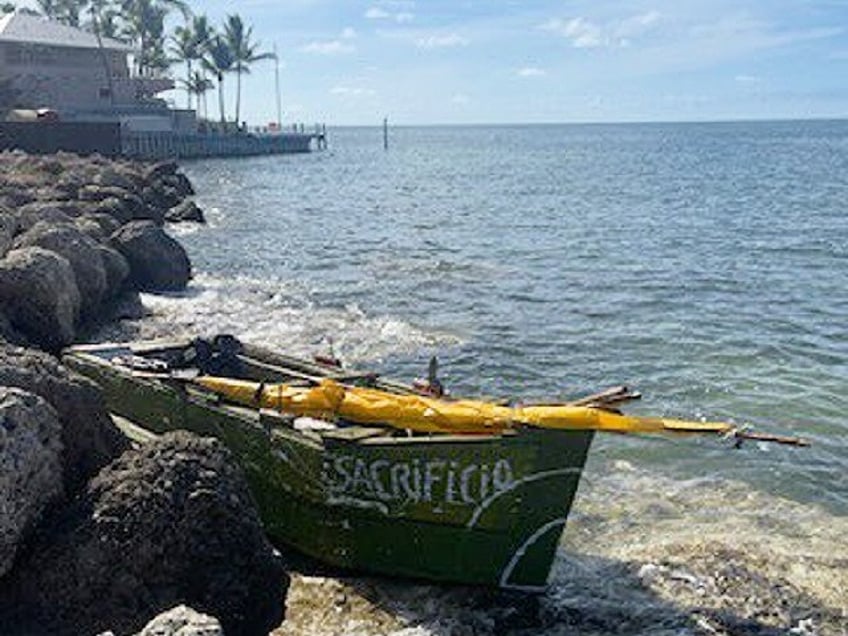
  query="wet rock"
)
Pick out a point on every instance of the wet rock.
point(172, 522)
point(182, 621)
point(157, 262)
point(30, 467)
point(39, 295)
point(185, 211)
point(89, 437)
point(112, 177)
point(81, 251)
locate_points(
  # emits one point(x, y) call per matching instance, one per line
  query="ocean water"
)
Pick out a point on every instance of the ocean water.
point(705, 265)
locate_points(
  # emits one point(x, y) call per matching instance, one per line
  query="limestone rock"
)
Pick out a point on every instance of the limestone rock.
point(30, 467)
point(81, 251)
point(172, 522)
point(157, 262)
point(185, 211)
point(39, 295)
point(89, 437)
point(182, 621)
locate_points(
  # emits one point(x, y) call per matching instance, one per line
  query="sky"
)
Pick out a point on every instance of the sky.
point(537, 61)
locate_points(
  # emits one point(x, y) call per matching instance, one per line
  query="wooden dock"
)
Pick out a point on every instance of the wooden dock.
point(167, 145)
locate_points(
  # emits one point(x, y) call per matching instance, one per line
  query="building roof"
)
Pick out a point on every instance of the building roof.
point(31, 29)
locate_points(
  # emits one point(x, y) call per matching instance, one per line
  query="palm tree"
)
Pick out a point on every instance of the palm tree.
point(219, 60)
point(184, 48)
point(198, 84)
point(144, 24)
point(244, 52)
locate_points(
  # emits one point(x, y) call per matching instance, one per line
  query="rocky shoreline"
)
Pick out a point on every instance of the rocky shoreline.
point(97, 535)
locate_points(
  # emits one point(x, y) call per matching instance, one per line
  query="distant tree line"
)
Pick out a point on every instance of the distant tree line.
point(207, 53)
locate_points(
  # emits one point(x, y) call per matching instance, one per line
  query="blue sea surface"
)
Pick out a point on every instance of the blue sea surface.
point(705, 265)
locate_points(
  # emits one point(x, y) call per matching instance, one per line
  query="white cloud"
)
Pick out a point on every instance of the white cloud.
point(585, 34)
point(348, 33)
point(330, 47)
point(376, 13)
point(460, 98)
point(352, 91)
point(401, 17)
point(747, 79)
point(531, 71)
point(441, 41)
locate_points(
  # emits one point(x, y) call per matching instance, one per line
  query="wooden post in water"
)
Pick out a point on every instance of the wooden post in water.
point(385, 133)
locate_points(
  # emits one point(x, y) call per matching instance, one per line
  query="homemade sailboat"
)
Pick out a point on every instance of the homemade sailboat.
point(367, 473)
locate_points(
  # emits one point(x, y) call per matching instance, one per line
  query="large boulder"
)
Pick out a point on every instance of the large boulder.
point(185, 211)
point(119, 209)
point(39, 295)
point(117, 270)
point(172, 522)
point(89, 437)
point(81, 251)
point(30, 467)
point(157, 262)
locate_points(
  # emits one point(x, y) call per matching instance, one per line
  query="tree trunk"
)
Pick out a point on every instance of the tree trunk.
point(221, 98)
point(238, 95)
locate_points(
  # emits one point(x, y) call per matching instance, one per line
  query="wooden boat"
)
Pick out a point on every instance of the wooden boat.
point(467, 508)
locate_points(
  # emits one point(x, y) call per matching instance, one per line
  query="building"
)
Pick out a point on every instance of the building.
point(54, 66)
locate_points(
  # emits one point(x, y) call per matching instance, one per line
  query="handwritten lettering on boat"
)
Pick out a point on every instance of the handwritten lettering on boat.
point(434, 481)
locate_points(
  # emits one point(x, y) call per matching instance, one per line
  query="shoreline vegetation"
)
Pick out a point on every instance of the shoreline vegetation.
point(100, 536)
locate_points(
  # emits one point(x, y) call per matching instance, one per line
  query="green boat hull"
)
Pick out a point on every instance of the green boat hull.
point(484, 510)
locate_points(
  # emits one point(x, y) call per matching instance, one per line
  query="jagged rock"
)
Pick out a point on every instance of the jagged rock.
point(89, 436)
point(94, 192)
point(185, 211)
point(182, 621)
point(172, 522)
point(30, 467)
point(108, 223)
point(39, 211)
point(157, 262)
point(180, 183)
point(111, 177)
point(161, 169)
point(159, 198)
point(39, 295)
point(114, 207)
point(81, 251)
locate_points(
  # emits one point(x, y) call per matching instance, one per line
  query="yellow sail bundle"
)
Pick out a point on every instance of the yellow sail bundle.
point(331, 400)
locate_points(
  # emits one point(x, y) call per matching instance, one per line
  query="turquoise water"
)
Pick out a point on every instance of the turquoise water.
point(705, 265)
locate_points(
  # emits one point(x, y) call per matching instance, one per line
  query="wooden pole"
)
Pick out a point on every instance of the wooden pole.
point(385, 133)
point(277, 82)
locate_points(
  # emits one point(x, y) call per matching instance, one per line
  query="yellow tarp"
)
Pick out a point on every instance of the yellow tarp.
point(329, 400)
